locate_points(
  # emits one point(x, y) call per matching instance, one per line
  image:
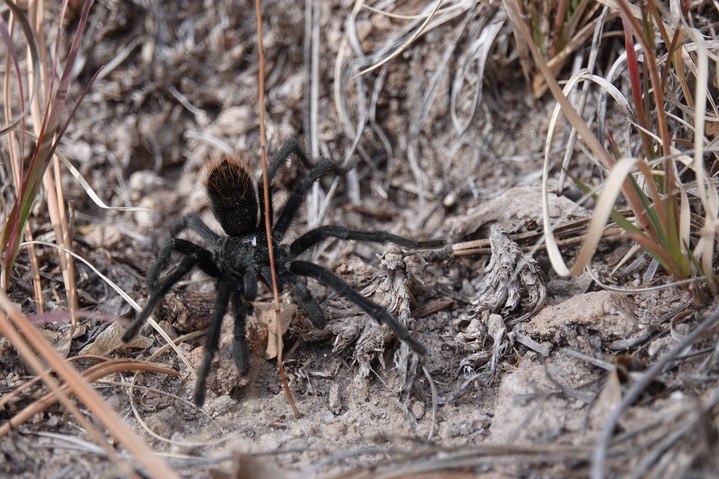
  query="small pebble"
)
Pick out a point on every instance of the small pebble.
point(418, 409)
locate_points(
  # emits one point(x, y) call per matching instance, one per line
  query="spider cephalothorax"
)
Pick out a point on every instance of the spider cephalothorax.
point(237, 261)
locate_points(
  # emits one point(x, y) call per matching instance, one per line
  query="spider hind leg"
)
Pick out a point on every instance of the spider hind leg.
point(317, 235)
point(307, 302)
point(328, 278)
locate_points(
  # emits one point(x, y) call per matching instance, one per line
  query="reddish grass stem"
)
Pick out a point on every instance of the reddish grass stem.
point(266, 192)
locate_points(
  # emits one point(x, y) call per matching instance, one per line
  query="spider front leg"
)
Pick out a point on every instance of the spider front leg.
point(157, 292)
point(291, 147)
point(241, 307)
point(187, 222)
point(224, 291)
point(311, 238)
point(328, 278)
point(193, 223)
point(186, 248)
point(194, 256)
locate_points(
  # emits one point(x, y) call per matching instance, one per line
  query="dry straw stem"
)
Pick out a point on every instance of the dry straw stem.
point(91, 192)
point(597, 223)
point(91, 375)
point(571, 233)
point(574, 34)
point(16, 145)
point(415, 35)
point(707, 190)
point(34, 55)
point(30, 341)
point(170, 344)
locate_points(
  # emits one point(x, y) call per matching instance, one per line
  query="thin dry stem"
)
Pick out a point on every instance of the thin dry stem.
point(266, 193)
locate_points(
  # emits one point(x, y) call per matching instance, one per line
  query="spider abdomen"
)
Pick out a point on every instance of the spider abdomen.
point(232, 195)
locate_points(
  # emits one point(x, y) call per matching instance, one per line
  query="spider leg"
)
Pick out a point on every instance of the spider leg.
point(193, 223)
point(240, 306)
point(291, 147)
point(158, 291)
point(326, 277)
point(312, 237)
point(187, 248)
point(289, 210)
point(194, 256)
point(308, 303)
point(240, 349)
point(224, 291)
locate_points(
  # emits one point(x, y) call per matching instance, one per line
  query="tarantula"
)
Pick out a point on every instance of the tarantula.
point(237, 261)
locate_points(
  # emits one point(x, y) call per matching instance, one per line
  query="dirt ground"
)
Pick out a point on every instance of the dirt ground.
point(514, 384)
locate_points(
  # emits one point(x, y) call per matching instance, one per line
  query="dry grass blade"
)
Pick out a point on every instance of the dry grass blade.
point(445, 462)
point(591, 68)
point(127, 298)
point(133, 404)
point(90, 192)
point(559, 60)
point(706, 188)
point(16, 146)
point(19, 17)
point(661, 206)
point(84, 392)
point(484, 34)
point(407, 43)
point(55, 198)
point(599, 220)
point(599, 455)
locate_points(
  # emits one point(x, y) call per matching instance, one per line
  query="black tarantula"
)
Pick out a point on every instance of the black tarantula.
point(241, 258)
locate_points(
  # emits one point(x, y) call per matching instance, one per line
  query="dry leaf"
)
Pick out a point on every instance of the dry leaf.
point(609, 398)
point(111, 339)
point(265, 313)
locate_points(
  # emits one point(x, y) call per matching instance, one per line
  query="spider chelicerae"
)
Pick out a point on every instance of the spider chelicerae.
point(237, 261)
